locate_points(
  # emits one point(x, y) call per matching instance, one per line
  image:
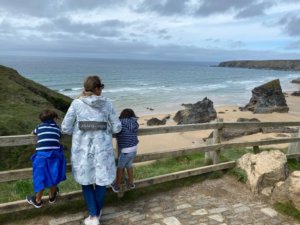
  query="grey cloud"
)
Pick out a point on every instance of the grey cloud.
point(240, 8)
point(221, 6)
point(294, 45)
point(169, 7)
point(48, 8)
point(36, 8)
point(291, 25)
point(136, 50)
point(107, 28)
point(237, 44)
point(254, 10)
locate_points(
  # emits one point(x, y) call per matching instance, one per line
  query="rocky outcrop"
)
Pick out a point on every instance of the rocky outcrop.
point(296, 81)
point(296, 93)
point(288, 191)
point(156, 122)
point(264, 170)
point(200, 112)
point(267, 98)
point(293, 65)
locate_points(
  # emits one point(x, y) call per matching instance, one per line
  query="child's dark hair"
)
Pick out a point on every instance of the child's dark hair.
point(48, 115)
point(127, 113)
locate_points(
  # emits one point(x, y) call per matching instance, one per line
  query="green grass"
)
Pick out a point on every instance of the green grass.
point(13, 191)
point(169, 165)
point(293, 164)
point(288, 209)
point(18, 190)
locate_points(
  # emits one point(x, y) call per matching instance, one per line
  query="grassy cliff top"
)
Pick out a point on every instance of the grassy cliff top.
point(21, 101)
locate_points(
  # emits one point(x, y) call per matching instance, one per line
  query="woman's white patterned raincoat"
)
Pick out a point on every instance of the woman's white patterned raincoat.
point(92, 155)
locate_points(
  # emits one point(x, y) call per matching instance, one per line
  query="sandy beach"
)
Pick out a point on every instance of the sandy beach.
point(169, 142)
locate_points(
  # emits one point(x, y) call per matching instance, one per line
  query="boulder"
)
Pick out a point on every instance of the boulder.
point(200, 112)
point(264, 169)
point(296, 81)
point(288, 191)
point(296, 93)
point(156, 122)
point(267, 98)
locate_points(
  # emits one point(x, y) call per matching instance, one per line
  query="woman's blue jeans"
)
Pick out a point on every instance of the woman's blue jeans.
point(94, 197)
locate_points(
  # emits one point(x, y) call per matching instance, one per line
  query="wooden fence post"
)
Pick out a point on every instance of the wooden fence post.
point(295, 146)
point(214, 156)
point(256, 149)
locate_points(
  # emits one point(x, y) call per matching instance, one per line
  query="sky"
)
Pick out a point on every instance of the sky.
point(185, 30)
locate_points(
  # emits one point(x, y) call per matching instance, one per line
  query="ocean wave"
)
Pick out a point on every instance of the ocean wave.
point(70, 89)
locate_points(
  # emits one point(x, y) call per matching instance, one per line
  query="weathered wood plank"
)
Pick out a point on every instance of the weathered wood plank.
point(30, 139)
point(23, 205)
point(26, 173)
point(17, 140)
point(293, 156)
point(14, 175)
point(213, 147)
point(238, 125)
point(183, 174)
point(178, 128)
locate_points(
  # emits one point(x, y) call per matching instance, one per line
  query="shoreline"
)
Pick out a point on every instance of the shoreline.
point(230, 113)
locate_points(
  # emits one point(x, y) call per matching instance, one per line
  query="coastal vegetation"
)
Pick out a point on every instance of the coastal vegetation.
point(21, 101)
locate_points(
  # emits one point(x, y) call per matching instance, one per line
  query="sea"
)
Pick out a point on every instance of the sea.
point(149, 87)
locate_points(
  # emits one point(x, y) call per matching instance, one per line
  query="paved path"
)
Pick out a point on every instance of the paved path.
point(212, 202)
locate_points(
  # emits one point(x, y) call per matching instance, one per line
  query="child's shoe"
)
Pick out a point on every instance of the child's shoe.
point(53, 199)
point(91, 221)
point(131, 186)
point(32, 201)
point(115, 187)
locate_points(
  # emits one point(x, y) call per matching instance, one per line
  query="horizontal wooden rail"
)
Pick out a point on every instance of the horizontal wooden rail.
point(214, 147)
point(17, 140)
point(23, 205)
point(30, 139)
point(14, 175)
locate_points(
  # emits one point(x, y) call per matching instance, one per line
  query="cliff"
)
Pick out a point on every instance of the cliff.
point(293, 65)
point(21, 101)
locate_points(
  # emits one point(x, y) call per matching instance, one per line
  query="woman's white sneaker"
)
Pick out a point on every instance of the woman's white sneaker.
point(91, 221)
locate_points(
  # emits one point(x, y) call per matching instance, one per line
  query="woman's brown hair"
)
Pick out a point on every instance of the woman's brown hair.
point(91, 83)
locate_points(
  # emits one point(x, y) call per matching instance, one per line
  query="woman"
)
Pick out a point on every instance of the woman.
point(91, 119)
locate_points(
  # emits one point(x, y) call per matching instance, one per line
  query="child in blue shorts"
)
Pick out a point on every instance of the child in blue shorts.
point(48, 162)
point(127, 143)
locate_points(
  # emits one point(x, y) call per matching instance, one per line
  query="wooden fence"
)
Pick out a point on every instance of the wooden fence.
point(215, 148)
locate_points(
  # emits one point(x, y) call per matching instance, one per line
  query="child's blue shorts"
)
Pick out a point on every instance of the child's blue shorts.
point(126, 159)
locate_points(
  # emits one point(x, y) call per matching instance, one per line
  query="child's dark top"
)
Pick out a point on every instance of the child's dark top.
point(128, 135)
point(48, 136)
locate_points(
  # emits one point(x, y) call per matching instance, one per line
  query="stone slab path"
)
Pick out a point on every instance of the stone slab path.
point(212, 202)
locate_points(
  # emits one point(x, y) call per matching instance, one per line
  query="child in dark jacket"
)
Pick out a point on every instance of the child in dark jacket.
point(127, 143)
